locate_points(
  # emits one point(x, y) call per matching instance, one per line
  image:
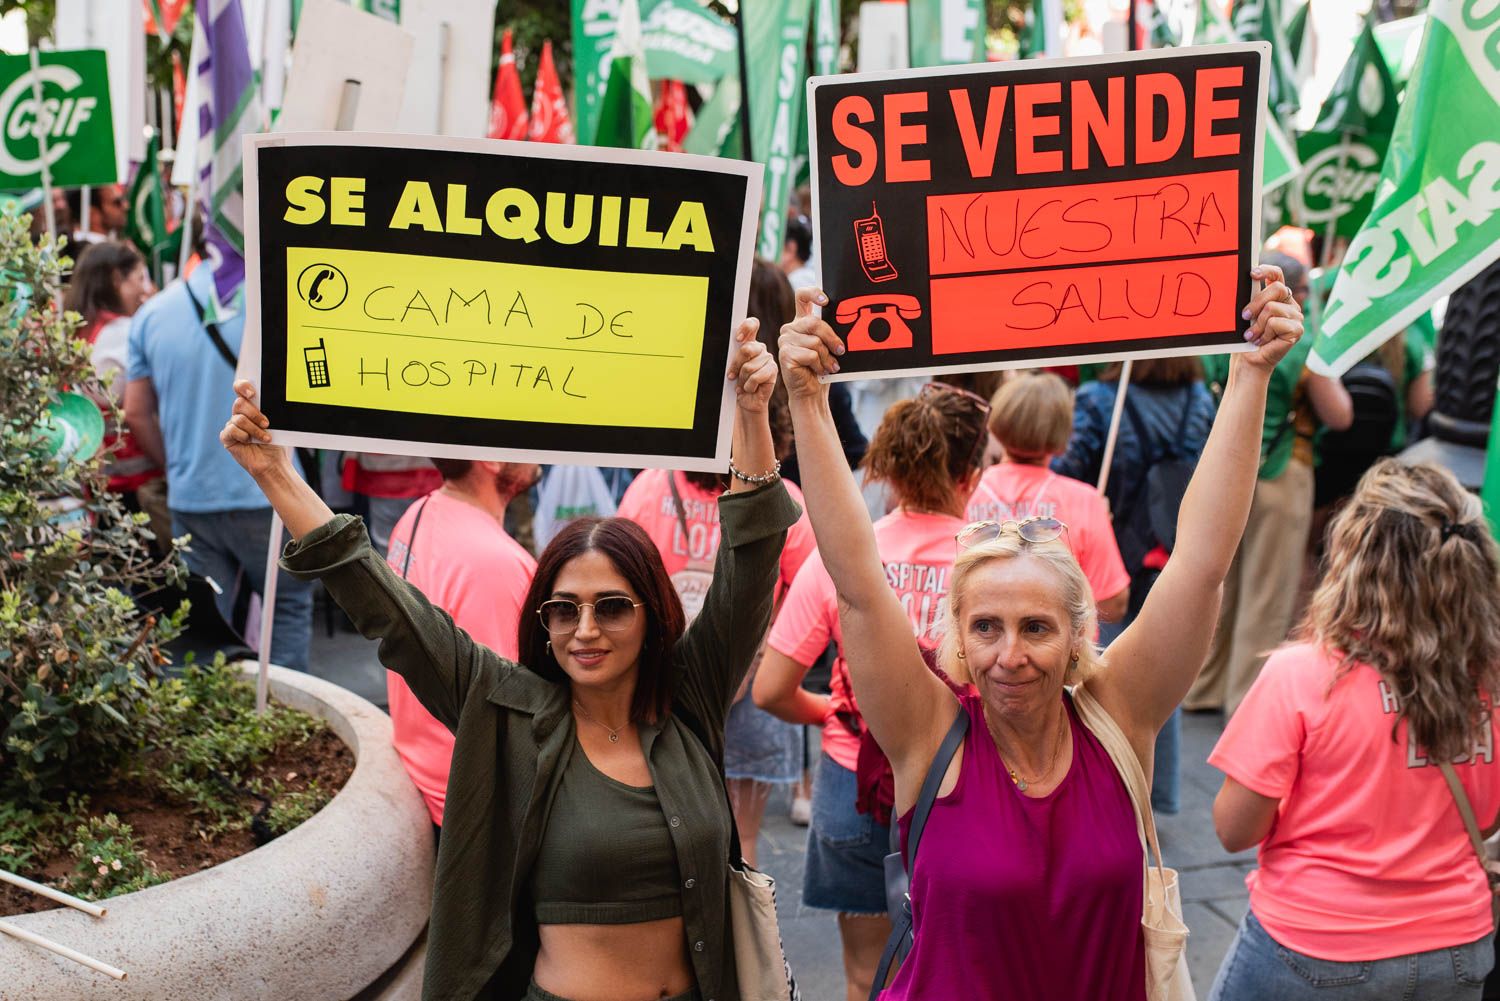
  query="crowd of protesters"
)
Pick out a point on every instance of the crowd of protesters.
point(583, 662)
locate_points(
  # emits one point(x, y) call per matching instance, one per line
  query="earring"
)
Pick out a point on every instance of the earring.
point(962, 655)
point(1075, 659)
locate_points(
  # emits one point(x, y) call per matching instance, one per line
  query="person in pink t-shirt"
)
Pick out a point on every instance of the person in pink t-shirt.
point(927, 449)
point(452, 545)
point(680, 512)
point(1367, 876)
point(1031, 416)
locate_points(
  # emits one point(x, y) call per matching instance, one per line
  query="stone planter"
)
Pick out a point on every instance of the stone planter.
point(319, 914)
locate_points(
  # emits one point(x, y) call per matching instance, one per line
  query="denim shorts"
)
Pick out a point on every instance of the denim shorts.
point(535, 993)
point(1258, 968)
point(759, 746)
point(846, 849)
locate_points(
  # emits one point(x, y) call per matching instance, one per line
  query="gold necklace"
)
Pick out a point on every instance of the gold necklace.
point(614, 734)
point(1017, 780)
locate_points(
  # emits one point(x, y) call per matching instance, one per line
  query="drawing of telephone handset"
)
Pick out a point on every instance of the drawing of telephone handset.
point(869, 237)
point(879, 321)
point(314, 293)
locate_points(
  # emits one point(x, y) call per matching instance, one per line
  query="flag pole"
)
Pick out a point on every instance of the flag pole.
point(348, 103)
point(1114, 424)
point(40, 129)
point(746, 150)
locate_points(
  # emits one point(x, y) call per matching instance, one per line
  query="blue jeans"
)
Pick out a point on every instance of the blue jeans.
point(1257, 968)
point(229, 543)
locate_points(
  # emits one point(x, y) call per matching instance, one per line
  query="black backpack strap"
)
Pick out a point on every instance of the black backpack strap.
point(411, 542)
point(211, 328)
point(925, 800)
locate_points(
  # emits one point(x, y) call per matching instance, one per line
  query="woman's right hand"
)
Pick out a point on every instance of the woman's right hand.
point(246, 436)
point(807, 347)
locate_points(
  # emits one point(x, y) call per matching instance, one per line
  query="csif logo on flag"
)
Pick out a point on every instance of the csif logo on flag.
point(71, 122)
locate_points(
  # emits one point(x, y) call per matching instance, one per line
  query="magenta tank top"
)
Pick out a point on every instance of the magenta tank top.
point(1021, 899)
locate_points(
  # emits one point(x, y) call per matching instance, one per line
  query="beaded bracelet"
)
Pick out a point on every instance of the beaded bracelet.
point(756, 478)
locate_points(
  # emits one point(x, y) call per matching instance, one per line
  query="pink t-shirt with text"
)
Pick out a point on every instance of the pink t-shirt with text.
point(1368, 858)
point(465, 563)
point(648, 502)
point(1011, 491)
point(918, 552)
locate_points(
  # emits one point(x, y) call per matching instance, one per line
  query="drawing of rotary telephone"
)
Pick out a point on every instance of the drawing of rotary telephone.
point(879, 321)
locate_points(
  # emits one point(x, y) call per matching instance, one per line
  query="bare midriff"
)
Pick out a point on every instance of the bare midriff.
point(635, 962)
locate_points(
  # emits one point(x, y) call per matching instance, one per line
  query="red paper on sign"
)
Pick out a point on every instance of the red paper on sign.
point(1083, 305)
point(1083, 224)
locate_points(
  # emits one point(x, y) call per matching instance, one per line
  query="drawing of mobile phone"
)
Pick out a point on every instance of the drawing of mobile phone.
point(317, 366)
point(879, 321)
point(869, 236)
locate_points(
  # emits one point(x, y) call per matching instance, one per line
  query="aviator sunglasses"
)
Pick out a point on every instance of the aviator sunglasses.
point(1033, 530)
point(612, 614)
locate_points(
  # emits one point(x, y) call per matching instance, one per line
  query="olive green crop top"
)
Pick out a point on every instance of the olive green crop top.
point(606, 856)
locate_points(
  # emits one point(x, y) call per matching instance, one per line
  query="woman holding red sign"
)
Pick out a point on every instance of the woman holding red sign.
point(1028, 882)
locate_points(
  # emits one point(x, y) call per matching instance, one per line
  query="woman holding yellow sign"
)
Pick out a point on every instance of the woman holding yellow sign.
point(587, 840)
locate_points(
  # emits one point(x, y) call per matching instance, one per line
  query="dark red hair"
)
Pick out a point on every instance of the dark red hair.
point(635, 556)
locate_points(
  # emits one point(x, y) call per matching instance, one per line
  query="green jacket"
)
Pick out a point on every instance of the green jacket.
point(514, 734)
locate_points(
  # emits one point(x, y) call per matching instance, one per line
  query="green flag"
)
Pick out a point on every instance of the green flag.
point(1260, 20)
point(717, 122)
point(1398, 41)
point(593, 41)
point(146, 223)
point(1436, 219)
point(625, 119)
point(1296, 40)
point(1212, 28)
point(1343, 152)
point(388, 9)
point(775, 40)
point(686, 41)
point(80, 144)
point(945, 32)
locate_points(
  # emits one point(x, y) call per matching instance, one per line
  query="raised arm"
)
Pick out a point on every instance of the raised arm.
point(418, 641)
point(1152, 665)
point(906, 706)
point(718, 648)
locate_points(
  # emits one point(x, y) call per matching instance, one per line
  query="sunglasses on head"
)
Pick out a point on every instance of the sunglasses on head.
point(1032, 530)
point(562, 615)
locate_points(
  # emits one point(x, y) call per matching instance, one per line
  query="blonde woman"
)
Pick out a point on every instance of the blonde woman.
point(1367, 882)
point(1028, 884)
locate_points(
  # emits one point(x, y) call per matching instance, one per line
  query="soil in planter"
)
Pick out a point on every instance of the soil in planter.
point(173, 838)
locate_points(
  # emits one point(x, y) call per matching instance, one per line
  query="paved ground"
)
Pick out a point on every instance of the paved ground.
point(1213, 882)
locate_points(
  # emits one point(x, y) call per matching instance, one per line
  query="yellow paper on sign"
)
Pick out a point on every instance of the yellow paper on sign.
point(466, 338)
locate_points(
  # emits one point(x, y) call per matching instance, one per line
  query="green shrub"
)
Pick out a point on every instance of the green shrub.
point(75, 647)
point(108, 861)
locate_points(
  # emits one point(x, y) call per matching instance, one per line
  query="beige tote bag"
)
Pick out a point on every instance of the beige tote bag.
point(1167, 977)
point(759, 961)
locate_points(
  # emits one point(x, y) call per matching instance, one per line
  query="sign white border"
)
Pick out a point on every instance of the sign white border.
point(974, 69)
point(250, 350)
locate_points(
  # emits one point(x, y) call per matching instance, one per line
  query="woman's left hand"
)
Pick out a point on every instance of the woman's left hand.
point(1275, 319)
point(751, 369)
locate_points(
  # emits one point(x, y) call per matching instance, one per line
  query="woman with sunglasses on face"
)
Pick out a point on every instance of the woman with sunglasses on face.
point(927, 450)
point(1028, 882)
point(586, 835)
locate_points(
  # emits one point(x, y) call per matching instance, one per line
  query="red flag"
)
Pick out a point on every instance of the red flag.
point(673, 119)
point(508, 111)
point(162, 15)
point(549, 109)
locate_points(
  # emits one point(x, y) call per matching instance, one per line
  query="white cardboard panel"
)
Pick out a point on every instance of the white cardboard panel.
point(335, 43)
point(450, 67)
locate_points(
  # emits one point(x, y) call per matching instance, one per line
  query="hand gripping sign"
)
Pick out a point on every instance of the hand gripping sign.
point(493, 300)
point(989, 216)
